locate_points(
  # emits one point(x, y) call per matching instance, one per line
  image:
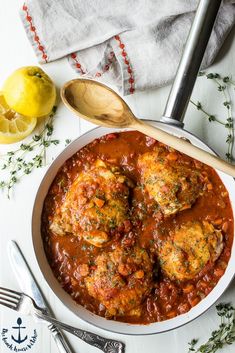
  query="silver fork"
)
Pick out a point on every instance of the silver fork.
point(26, 305)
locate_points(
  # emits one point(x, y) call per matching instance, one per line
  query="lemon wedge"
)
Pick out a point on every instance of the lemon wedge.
point(13, 126)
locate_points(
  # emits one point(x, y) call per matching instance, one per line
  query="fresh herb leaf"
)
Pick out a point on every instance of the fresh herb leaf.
point(29, 156)
point(67, 142)
point(224, 85)
point(223, 336)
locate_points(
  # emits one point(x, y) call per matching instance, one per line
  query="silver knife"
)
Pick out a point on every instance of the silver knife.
point(29, 286)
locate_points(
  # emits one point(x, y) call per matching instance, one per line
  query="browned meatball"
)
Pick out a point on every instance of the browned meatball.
point(170, 180)
point(95, 204)
point(121, 281)
point(189, 249)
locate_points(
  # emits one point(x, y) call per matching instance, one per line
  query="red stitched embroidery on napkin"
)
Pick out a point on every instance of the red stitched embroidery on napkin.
point(127, 62)
point(33, 29)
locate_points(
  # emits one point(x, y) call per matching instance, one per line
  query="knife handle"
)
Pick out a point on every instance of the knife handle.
point(59, 338)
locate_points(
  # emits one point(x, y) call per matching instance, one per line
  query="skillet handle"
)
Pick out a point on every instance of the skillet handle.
point(190, 62)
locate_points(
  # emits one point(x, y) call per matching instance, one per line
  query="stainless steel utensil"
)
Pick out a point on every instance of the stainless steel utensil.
point(190, 62)
point(25, 305)
point(29, 286)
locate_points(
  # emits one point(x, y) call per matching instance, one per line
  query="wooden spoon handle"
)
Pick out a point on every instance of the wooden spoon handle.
point(184, 147)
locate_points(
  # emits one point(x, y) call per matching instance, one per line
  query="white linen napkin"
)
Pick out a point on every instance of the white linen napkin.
point(134, 44)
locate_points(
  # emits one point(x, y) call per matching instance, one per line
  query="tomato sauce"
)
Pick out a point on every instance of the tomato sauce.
point(168, 298)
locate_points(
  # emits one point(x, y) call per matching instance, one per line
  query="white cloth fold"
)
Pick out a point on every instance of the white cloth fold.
point(134, 44)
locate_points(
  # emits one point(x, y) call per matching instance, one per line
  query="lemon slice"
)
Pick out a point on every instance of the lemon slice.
point(13, 126)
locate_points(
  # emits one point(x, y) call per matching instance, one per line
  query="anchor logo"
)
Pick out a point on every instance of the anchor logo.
point(18, 342)
point(19, 328)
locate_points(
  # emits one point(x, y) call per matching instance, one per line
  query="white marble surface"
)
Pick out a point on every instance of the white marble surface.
point(15, 215)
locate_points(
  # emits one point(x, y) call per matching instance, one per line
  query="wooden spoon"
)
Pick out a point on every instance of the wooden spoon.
point(101, 105)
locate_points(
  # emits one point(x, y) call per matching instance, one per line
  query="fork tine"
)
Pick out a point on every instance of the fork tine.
point(8, 305)
point(15, 302)
point(10, 291)
point(9, 295)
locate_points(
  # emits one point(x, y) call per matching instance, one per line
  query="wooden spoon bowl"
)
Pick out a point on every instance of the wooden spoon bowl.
point(101, 105)
point(97, 103)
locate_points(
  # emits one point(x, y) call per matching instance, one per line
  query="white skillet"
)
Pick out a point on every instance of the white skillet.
point(172, 123)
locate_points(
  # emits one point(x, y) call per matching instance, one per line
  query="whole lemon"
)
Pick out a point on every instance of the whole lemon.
point(30, 91)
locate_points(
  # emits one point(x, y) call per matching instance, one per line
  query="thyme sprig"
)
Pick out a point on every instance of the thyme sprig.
point(28, 156)
point(223, 336)
point(223, 85)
